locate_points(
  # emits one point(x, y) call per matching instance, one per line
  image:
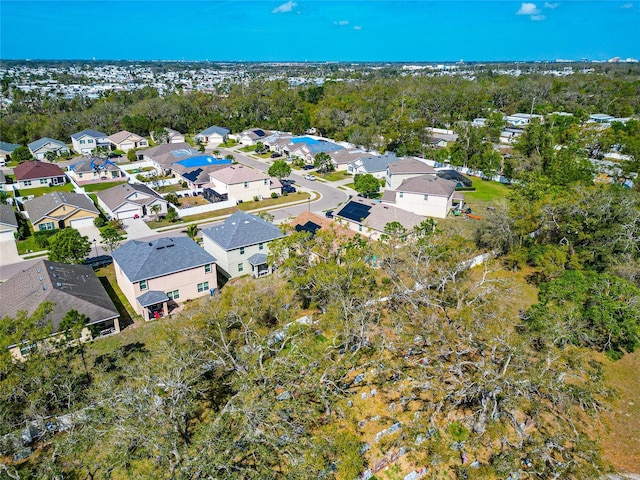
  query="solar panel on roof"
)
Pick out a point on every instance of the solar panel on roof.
point(355, 211)
point(310, 227)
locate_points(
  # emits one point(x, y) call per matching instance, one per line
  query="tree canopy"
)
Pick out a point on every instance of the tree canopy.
point(68, 246)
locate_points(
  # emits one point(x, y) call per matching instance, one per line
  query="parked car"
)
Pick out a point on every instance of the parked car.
point(289, 189)
point(308, 167)
point(308, 176)
point(287, 181)
point(276, 155)
point(328, 214)
point(99, 261)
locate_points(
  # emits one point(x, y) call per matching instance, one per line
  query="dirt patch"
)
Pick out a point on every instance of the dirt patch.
point(192, 201)
point(621, 440)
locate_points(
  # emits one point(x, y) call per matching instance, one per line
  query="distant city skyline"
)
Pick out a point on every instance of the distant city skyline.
point(316, 31)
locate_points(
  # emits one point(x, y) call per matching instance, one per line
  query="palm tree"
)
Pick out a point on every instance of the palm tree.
point(192, 231)
point(155, 208)
point(215, 152)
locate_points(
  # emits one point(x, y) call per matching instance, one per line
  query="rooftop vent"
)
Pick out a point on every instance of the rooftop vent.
point(58, 284)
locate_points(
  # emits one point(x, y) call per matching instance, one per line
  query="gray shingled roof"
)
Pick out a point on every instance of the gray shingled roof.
point(214, 129)
point(69, 287)
point(40, 207)
point(410, 165)
point(241, 230)
point(90, 133)
point(114, 197)
point(428, 185)
point(8, 216)
point(375, 163)
point(380, 214)
point(257, 259)
point(145, 260)
point(33, 146)
point(152, 297)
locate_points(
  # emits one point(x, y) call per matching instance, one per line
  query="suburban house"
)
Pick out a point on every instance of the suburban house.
point(6, 149)
point(375, 165)
point(313, 223)
point(60, 210)
point(40, 148)
point(67, 287)
point(522, 119)
point(126, 141)
point(195, 170)
point(252, 136)
point(403, 169)
point(213, 134)
point(8, 222)
point(86, 141)
point(307, 148)
point(241, 244)
point(93, 170)
point(157, 275)
point(34, 174)
point(162, 156)
point(344, 157)
point(242, 184)
point(426, 195)
point(369, 217)
point(171, 136)
point(437, 142)
point(131, 201)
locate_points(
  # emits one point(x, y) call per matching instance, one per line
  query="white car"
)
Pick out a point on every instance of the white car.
point(308, 176)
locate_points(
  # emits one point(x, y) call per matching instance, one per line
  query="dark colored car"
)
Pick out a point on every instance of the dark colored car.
point(308, 167)
point(99, 261)
point(276, 155)
point(329, 214)
point(288, 189)
point(287, 181)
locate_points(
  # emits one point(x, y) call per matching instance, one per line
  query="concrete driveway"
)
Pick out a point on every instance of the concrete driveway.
point(90, 231)
point(136, 228)
point(9, 252)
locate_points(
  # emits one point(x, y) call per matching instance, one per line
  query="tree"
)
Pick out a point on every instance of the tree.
point(172, 198)
point(230, 157)
point(192, 231)
point(215, 152)
point(367, 185)
point(111, 237)
point(68, 246)
point(172, 215)
point(131, 155)
point(279, 169)
point(155, 209)
point(324, 163)
point(73, 324)
point(50, 156)
point(21, 154)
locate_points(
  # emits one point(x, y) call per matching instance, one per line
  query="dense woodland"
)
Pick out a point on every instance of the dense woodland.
point(478, 373)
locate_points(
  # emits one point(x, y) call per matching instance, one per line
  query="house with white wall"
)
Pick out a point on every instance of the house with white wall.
point(86, 141)
point(242, 183)
point(425, 195)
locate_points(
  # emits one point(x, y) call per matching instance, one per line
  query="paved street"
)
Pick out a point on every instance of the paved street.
point(330, 197)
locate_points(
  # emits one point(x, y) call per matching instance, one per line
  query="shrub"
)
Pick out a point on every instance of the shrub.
point(256, 199)
point(184, 184)
point(99, 222)
point(274, 195)
point(42, 237)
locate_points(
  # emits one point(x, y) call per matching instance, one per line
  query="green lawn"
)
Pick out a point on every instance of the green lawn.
point(487, 191)
point(248, 148)
point(98, 187)
point(28, 245)
point(245, 206)
point(67, 187)
point(334, 176)
point(107, 276)
point(169, 188)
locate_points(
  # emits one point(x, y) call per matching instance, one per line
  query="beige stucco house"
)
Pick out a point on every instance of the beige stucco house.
point(426, 195)
point(242, 183)
point(126, 141)
point(61, 210)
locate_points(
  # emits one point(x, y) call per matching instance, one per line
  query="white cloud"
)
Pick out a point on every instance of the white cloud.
point(285, 7)
point(551, 6)
point(357, 27)
point(627, 5)
point(342, 23)
point(538, 18)
point(528, 9)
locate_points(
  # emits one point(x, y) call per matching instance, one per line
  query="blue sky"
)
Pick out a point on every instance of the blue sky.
point(326, 30)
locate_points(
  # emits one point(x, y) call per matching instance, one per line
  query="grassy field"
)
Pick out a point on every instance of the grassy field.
point(98, 187)
point(334, 176)
point(107, 276)
point(486, 192)
point(623, 421)
point(67, 187)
